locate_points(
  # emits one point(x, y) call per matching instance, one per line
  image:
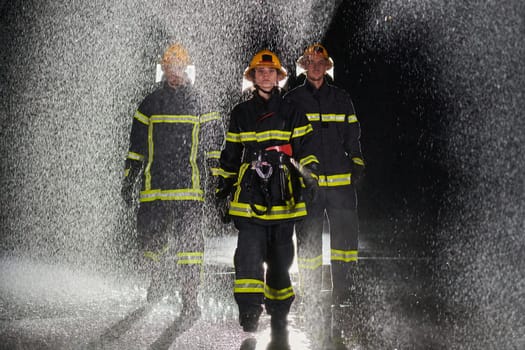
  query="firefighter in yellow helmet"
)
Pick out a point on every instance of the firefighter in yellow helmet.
point(165, 160)
point(341, 167)
point(265, 136)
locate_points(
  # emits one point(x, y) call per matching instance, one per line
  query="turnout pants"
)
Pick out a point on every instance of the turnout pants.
point(338, 209)
point(258, 244)
point(172, 245)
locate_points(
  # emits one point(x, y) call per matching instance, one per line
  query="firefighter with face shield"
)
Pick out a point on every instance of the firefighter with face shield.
point(341, 168)
point(164, 160)
point(265, 168)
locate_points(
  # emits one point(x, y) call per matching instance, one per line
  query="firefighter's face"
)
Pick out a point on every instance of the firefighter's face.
point(174, 73)
point(316, 67)
point(265, 77)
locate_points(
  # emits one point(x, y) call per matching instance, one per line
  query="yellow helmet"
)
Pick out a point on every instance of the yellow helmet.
point(312, 50)
point(176, 54)
point(265, 58)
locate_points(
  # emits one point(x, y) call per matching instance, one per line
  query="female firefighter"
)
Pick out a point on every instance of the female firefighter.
point(267, 142)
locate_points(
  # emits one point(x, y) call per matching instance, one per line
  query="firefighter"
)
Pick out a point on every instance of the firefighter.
point(165, 160)
point(266, 136)
point(341, 167)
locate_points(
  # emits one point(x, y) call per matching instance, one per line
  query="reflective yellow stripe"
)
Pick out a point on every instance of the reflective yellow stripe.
point(310, 263)
point(204, 118)
point(352, 119)
point(126, 172)
point(275, 213)
point(343, 255)
point(155, 256)
point(172, 195)
point(338, 118)
point(301, 131)
point(190, 119)
point(330, 118)
point(248, 286)
point(313, 117)
point(213, 154)
point(195, 176)
point(141, 118)
point(308, 160)
point(190, 258)
point(278, 294)
point(335, 180)
point(222, 172)
point(358, 161)
point(258, 136)
point(135, 156)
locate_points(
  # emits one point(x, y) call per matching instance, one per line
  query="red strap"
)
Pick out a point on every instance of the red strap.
point(286, 149)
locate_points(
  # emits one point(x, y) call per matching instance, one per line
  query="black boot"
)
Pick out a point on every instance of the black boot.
point(278, 323)
point(249, 319)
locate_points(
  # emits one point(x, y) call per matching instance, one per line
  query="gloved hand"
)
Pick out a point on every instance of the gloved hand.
point(358, 174)
point(222, 201)
point(312, 186)
point(225, 188)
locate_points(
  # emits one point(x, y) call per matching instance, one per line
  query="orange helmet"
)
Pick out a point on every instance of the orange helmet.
point(265, 58)
point(312, 50)
point(176, 54)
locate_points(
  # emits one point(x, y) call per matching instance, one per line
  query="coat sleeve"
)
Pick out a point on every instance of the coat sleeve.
point(138, 148)
point(231, 155)
point(352, 143)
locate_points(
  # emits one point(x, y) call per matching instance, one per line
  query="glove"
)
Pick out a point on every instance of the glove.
point(312, 186)
point(225, 188)
point(222, 202)
point(358, 174)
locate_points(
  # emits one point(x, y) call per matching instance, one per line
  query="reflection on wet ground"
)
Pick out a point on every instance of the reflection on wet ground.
point(52, 307)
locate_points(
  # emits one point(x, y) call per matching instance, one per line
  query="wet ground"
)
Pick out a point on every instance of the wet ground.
point(46, 306)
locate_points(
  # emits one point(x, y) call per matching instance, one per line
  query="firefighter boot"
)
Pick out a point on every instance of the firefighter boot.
point(337, 338)
point(249, 318)
point(278, 323)
point(157, 287)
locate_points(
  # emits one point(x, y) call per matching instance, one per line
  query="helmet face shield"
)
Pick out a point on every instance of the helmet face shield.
point(175, 62)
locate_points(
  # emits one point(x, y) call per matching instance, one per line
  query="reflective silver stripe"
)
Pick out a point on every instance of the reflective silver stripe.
point(338, 118)
point(310, 263)
point(213, 154)
point(222, 172)
point(209, 117)
point(303, 130)
point(352, 119)
point(141, 118)
point(343, 255)
point(182, 194)
point(248, 286)
point(135, 156)
point(335, 180)
point(190, 119)
point(278, 294)
point(276, 212)
point(358, 161)
point(190, 258)
point(313, 117)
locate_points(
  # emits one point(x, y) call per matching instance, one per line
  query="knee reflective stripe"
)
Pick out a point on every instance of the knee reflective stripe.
point(189, 258)
point(156, 256)
point(343, 255)
point(248, 286)
point(278, 294)
point(310, 264)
